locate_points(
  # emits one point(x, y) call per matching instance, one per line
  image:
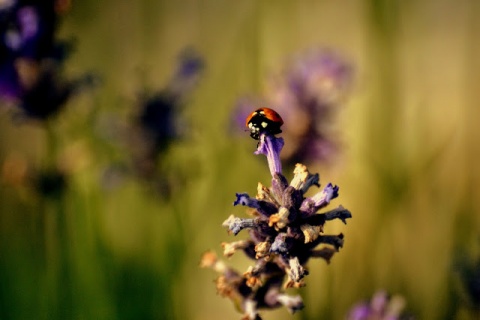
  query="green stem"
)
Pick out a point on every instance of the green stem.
point(57, 238)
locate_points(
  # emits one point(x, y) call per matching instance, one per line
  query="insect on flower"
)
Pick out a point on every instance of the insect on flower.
point(263, 120)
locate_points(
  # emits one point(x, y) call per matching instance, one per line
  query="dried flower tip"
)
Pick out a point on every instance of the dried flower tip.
point(292, 284)
point(310, 232)
point(210, 260)
point(253, 280)
point(250, 310)
point(270, 146)
point(235, 225)
point(297, 271)
point(279, 220)
point(303, 179)
point(300, 176)
point(292, 303)
point(263, 193)
point(230, 248)
point(227, 288)
point(262, 249)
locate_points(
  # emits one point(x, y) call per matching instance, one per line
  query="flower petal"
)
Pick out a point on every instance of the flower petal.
point(270, 146)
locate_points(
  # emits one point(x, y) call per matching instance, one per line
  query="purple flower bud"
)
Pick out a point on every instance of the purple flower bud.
point(359, 312)
point(28, 20)
point(32, 59)
point(311, 205)
point(380, 307)
point(263, 207)
point(270, 146)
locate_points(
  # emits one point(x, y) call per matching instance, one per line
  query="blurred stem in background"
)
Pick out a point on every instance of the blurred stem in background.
point(384, 127)
point(57, 229)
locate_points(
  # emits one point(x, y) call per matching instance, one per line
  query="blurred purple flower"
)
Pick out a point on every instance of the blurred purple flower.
point(31, 57)
point(380, 307)
point(158, 114)
point(308, 93)
point(157, 121)
point(285, 232)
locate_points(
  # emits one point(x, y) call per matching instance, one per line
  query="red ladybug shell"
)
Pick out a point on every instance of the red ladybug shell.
point(263, 120)
point(268, 113)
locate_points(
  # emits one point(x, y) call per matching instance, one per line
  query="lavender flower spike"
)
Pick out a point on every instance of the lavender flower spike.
point(283, 236)
point(271, 146)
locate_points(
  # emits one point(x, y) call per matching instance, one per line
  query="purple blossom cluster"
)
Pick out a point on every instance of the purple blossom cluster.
point(31, 57)
point(380, 307)
point(308, 93)
point(285, 231)
point(158, 112)
point(155, 124)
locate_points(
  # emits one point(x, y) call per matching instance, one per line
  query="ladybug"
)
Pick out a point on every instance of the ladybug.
point(263, 120)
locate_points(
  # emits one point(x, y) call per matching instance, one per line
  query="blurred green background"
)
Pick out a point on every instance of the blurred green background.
point(407, 170)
